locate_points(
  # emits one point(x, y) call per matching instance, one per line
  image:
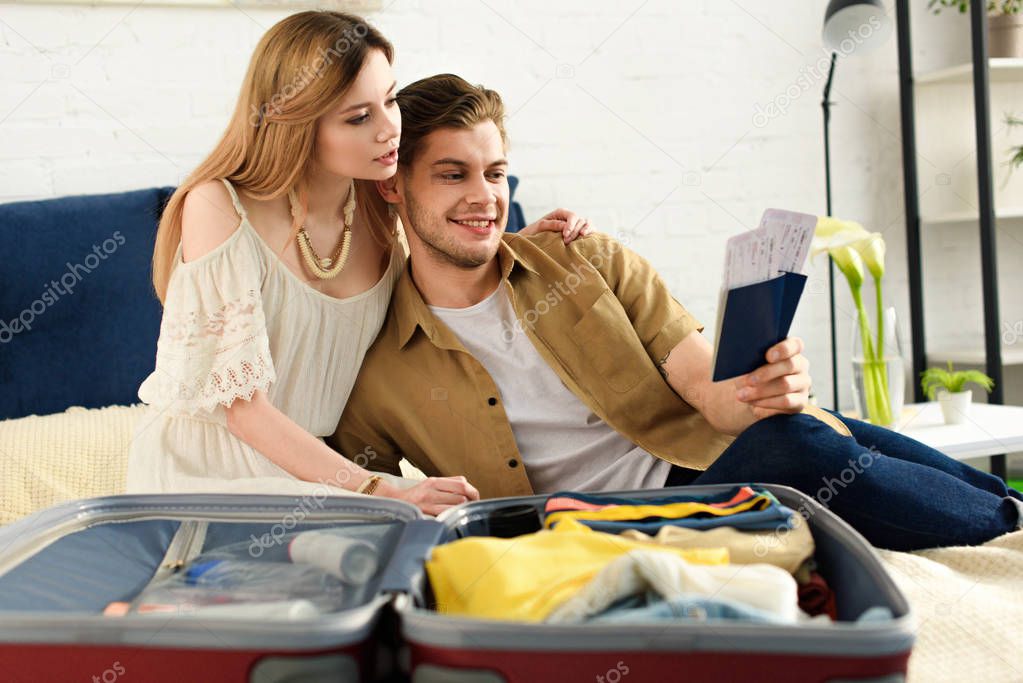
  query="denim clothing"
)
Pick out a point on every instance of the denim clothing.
point(652, 607)
point(776, 517)
point(899, 493)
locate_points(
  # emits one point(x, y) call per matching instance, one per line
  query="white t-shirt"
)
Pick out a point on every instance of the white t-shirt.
point(564, 445)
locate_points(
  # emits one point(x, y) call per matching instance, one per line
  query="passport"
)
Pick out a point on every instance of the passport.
point(761, 290)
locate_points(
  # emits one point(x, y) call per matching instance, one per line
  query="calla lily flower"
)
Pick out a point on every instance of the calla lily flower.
point(832, 233)
point(850, 263)
point(872, 250)
point(855, 250)
point(829, 225)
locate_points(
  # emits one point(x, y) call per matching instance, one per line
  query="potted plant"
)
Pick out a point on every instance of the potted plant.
point(948, 386)
point(1005, 25)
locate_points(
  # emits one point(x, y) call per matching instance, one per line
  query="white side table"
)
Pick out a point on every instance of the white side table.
point(989, 429)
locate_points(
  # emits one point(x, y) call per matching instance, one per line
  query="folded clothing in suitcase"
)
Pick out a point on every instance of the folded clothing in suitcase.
point(275, 588)
point(870, 639)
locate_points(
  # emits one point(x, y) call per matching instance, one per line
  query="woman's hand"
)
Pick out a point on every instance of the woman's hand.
point(433, 495)
point(564, 221)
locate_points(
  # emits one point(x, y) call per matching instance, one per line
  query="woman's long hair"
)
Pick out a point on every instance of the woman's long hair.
point(299, 70)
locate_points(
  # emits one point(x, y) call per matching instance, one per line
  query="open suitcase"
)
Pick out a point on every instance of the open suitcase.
point(60, 568)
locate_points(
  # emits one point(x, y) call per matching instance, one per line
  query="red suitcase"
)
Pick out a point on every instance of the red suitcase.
point(61, 567)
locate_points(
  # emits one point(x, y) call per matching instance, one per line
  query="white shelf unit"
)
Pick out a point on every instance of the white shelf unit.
point(971, 356)
point(952, 217)
point(1000, 69)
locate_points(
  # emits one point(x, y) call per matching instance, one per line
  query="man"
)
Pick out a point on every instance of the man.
point(531, 366)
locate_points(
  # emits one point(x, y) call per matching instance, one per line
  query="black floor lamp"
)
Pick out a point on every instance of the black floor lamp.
point(850, 27)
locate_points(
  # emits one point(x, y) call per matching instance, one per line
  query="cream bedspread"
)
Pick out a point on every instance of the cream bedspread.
point(968, 601)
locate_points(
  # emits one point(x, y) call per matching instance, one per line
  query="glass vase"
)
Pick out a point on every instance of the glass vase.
point(879, 380)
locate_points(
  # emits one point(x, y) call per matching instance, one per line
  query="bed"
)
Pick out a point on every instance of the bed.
point(78, 328)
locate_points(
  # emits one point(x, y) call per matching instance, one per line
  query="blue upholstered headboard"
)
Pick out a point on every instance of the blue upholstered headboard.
point(78, 316)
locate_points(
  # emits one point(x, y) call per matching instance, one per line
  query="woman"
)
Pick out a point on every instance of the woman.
point(275, 261)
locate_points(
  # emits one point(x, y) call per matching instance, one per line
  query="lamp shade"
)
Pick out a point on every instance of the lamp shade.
point(852, 26)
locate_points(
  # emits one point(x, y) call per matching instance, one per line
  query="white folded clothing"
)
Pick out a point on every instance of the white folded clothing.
point(763, 586)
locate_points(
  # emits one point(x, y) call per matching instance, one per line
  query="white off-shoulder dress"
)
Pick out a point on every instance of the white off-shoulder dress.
point(236, 320)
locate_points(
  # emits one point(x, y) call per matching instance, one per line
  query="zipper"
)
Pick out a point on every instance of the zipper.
point(186, 544)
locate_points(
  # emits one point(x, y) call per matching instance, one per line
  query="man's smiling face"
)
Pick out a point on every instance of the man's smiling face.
point(455, 194)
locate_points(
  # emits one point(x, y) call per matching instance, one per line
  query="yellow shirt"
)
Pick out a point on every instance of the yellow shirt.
point(631, 513)
point(527, 577)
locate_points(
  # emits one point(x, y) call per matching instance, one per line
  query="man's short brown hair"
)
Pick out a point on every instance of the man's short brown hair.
point(443, 101)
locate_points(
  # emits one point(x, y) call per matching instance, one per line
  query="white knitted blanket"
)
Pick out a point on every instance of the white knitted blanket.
point(49, 459)
point(968, 603)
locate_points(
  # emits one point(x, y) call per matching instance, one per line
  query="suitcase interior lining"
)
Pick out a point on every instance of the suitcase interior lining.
point(69, 576)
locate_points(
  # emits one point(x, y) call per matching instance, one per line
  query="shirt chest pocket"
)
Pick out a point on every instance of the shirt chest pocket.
point(607, 342)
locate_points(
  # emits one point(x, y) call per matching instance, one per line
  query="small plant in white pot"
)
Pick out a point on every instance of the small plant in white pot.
point(948, 386)
point(1005, 24)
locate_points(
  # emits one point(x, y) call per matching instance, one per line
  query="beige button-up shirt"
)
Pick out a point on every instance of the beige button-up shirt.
point(596, 312)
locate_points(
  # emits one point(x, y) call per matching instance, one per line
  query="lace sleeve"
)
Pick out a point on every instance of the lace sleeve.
point(213, 345)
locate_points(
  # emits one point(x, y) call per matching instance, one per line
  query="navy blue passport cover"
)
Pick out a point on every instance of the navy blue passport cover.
point(755, 318)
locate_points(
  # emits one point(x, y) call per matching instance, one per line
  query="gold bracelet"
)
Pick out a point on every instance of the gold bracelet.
point(369, 485)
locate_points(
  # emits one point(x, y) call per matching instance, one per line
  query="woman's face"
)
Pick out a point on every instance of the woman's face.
point(359, 137)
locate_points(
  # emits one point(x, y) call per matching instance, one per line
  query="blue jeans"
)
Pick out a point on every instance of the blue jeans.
point(899, 493)
point(652, 607)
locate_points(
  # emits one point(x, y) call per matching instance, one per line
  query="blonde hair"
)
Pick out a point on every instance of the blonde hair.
point(298, 71)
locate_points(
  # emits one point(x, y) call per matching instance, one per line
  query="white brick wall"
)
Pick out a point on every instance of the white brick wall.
point(639, 115)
